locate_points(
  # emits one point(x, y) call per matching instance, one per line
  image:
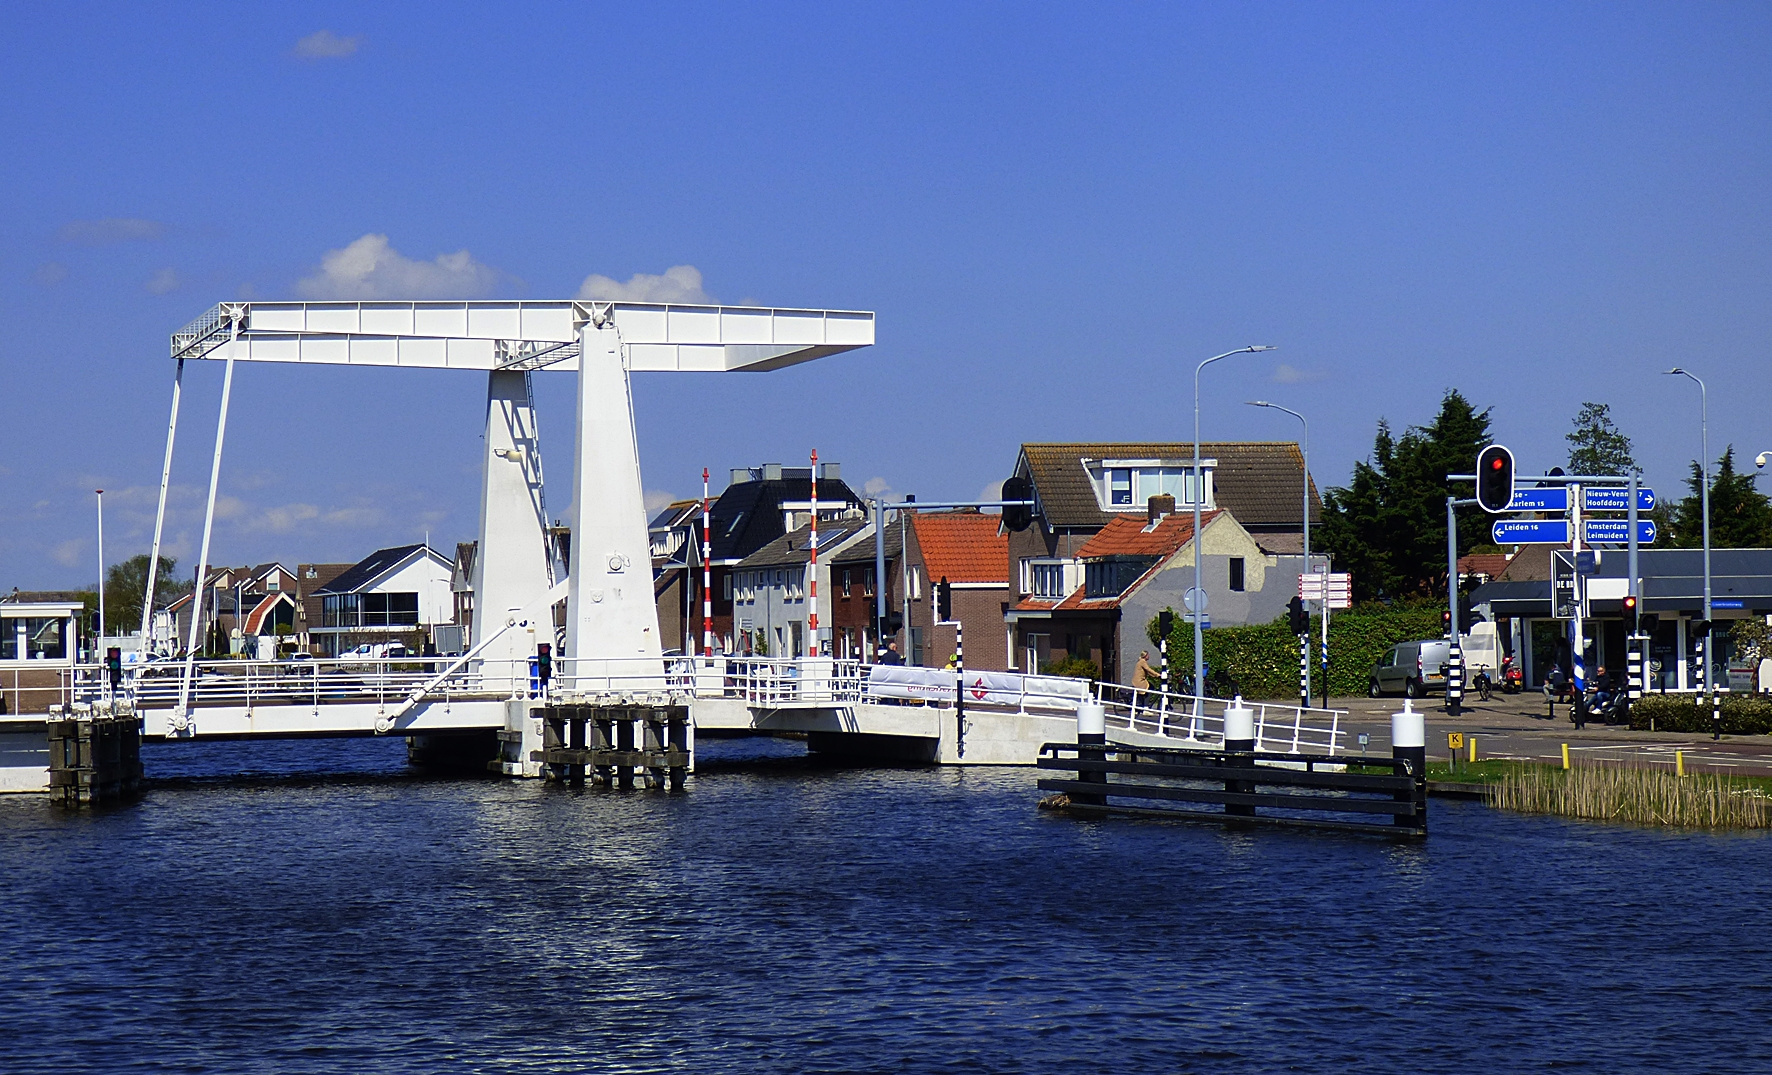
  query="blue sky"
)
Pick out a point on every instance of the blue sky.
point(1055, 210)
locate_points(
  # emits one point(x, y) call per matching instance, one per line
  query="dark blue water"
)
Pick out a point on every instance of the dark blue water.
point(334, 913)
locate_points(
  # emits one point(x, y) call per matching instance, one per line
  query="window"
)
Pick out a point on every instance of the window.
point(1110, 577)
point(1043, 578)
point(726, 587)
point(867, 585)
point(390, 609)
point(916, 584)
point(1236, 580)
point(1120, 488)
point(845, 582)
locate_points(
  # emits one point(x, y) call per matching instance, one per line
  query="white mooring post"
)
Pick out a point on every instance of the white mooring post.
point(1091, 746)
point(1239, 727)
point(1409, 744)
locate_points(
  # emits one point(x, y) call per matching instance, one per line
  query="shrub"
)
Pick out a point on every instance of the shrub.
point(1074, 667)
point(1263, 658)
point(1743, 714)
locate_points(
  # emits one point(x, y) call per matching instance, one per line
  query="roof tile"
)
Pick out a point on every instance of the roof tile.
point(962, 546)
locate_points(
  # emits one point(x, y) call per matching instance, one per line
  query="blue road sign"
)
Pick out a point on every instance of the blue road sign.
point(1556, 499)
point(1615, 498)
point(1531, 531)
point(1617, 531)
point(1726, 602)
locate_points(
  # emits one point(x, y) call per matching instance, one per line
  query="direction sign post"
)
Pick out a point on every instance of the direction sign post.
point(1531, 531)
point(1616, 531)
point(1552, 499)
point(1615, 498)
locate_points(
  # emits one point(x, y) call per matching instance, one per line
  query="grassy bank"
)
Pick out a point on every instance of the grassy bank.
point(1634, 794)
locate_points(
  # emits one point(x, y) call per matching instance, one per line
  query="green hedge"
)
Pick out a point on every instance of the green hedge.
point(1263, 658)
point(1743, 714)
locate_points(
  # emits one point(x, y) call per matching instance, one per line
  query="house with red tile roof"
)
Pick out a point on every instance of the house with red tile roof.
point(969, 549)
point(1133, 568)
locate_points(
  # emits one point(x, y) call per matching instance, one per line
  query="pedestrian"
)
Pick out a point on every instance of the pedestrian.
point(1144, 676)
point(891, 656)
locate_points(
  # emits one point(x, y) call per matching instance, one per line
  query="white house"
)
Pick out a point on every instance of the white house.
point(388, 595)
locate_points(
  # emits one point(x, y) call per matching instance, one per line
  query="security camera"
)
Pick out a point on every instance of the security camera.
point(1761, 459)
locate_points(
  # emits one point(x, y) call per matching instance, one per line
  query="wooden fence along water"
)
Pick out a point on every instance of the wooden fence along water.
point(1377, 795)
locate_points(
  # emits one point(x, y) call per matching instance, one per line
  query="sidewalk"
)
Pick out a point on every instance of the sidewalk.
point(1515, 726)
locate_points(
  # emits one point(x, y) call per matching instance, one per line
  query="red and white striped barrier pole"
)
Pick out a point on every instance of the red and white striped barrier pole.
point(812, 568)
point(707, 572)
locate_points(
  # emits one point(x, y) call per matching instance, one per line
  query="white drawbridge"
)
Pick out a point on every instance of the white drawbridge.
point(612, 646)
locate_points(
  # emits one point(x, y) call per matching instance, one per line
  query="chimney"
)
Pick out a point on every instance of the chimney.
point(771, 472)
point(1160, 505)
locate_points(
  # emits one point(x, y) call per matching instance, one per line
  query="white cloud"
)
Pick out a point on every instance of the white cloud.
point(876, 486)
point(50, 273)
point(164, 282)
point(657, 500)
point(326, 45)
point(111, 230)
point(1284, 374)
point(371, 269)
point(679, 283)
point(70, 553)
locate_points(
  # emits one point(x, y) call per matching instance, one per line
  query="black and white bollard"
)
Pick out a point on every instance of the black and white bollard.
point(1091, 746)
point(1304, 670)
point(1239, 745)
point(1409, 744)
point(1455, 679)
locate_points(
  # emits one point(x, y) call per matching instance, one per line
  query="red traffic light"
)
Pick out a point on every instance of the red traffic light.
point(1495, 479)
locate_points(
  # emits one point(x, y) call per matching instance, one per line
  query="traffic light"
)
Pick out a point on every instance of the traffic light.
point(1446, 621)
point(1629, 607)
point(1297, 616)
point(114, 665)
point(1165, 625)
point(1495, 479)
point(1648, 623)
point(944, 601)
point(544, 662)
point(1018, 518)
point(1467, 620)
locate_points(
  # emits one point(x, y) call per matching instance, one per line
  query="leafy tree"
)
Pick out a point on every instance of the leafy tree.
point(1387, 526)
point(125, 583)
point(1597, 446)
point(1740, 515)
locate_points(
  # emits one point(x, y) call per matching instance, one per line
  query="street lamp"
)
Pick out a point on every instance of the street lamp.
point(100, 641)
point(1304, 449)
point(1704, 506)
point(1199, 494)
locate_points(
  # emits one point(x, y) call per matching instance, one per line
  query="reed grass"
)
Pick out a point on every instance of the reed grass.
point(1635, 794)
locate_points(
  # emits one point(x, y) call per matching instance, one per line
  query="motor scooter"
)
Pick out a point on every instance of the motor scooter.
point(1513, 679)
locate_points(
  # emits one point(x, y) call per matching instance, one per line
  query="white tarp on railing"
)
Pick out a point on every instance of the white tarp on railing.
point(1008, 690)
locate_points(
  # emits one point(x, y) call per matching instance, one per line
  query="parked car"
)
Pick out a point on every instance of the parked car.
point(1413, 668)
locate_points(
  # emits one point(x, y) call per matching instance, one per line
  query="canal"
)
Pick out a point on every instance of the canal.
point(331, 911)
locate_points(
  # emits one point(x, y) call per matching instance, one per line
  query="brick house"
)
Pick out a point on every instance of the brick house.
point(772, 589)
point(969, 550)
point(758, 506)
point(853, 593)
point(1078, 488)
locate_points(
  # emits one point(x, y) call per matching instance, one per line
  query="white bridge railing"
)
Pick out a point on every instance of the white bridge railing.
point(774, 682)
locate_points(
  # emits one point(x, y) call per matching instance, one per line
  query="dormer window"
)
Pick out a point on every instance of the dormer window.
point(1129, 484)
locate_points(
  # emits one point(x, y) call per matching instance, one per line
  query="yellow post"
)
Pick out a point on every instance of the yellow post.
point(1472, 741)
point(1565, 755)
point(1679, 763)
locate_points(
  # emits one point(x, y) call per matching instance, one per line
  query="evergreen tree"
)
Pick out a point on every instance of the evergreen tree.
point(1740, 515)
point(1597, 446)
point(1387, 526)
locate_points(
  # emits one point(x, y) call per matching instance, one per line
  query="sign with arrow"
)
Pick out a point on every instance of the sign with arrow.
point(1616, 531)
point(1556, 499)
point(1615, 498)
point(1531, 532)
